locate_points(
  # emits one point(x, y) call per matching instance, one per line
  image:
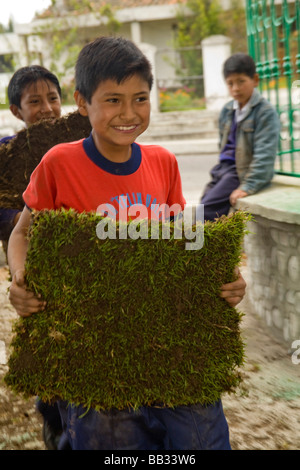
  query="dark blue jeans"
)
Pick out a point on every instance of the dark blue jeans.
point(194, 427)
point(216, 194)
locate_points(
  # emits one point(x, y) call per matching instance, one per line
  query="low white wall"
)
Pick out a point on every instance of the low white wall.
point(273, 256)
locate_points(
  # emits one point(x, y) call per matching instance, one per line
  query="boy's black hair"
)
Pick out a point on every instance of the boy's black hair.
point(239, 63)
point(109, 58)
point(26, 76)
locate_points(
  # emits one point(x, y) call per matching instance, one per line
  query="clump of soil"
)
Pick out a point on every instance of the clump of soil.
point(22, 154)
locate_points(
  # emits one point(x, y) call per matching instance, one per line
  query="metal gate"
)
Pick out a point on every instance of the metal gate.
point(273, 29)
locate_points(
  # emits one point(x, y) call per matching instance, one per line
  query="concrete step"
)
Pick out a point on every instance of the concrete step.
point(185, 147)
point(183, 125)
point(172, 133)
point(192, 132)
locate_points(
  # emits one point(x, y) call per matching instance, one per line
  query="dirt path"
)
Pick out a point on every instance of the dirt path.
point(263, 415)
point(20, 426)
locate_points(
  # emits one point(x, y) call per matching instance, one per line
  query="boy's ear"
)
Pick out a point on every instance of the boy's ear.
point(16, 111)
point(81, 103)
point(256, 79)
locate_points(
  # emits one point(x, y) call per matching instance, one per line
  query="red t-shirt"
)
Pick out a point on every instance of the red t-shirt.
point(75, 175)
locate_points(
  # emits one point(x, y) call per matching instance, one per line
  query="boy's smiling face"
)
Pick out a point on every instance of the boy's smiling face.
point(40, 100)
point(118, 114)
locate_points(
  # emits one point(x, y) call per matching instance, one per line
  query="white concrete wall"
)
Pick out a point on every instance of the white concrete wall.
point(9, 43)
point(215, 50)
point(273, 250)
point(4, 80)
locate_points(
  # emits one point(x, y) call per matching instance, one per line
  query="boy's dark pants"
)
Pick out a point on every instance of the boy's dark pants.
point(194, 427)
point(216, 194)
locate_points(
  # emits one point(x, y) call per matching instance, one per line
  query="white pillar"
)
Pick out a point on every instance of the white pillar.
point(150, 52)
point(215, 50)
point(23, 51)
point(136, 33)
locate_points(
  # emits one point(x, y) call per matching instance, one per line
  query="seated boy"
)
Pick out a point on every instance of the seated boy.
point(249, 136)
point(34, 93)
point(113, 83)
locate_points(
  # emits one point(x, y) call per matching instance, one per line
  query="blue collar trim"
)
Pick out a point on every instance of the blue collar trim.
point(124, 168)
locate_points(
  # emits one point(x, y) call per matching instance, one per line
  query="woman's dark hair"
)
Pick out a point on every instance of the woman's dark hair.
point(109, 58)
point(26, 76)
point(239, 63)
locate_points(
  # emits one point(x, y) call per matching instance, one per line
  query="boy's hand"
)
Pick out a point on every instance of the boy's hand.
point(23, 300)
point(233, 292)
point(235, 195)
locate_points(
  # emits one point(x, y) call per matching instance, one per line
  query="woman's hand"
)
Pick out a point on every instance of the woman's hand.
point(234, 292)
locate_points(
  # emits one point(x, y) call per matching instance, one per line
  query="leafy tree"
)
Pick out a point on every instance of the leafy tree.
point(65, 38)
point(191, 30)
point(204, 21)
point(6, 60)
point(234, 21)
point(6, 63)
point(207, 18)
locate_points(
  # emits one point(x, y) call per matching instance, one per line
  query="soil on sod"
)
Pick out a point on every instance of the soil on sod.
point(22, 154)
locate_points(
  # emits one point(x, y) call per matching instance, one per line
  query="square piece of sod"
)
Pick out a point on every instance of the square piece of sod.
point(20, 156)
point(128, 322)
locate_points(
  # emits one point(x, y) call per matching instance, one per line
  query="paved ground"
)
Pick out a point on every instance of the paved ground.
point(194, 172)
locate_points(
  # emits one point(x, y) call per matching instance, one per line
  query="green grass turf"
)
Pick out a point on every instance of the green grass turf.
point(128, 322)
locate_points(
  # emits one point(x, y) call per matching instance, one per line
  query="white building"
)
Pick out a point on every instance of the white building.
point(149, 23)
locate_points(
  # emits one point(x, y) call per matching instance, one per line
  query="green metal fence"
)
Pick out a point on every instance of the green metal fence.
point(273, 29)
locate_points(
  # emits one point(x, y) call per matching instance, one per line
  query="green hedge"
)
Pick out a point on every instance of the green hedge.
point(128, 322)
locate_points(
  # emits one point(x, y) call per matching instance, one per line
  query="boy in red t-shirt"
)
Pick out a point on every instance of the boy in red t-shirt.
point(113, 83)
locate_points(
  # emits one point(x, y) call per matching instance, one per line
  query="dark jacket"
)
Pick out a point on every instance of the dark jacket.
point(257, 141)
